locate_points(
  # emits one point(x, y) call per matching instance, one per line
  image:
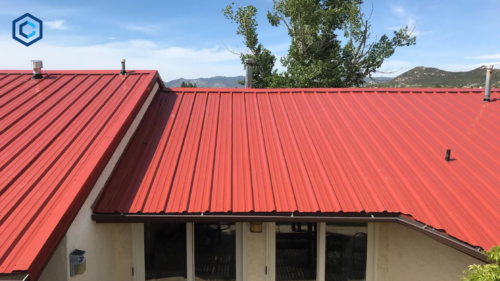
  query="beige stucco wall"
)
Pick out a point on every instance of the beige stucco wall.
point(256, 254)
point(56, 269)
point(405, 254)
point(108, 251)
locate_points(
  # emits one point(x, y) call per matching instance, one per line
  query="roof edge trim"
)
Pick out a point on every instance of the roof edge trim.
point(21, 276)
point(245, 217)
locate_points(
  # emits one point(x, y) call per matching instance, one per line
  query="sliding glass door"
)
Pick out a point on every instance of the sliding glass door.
point(318, 251)
point(215, 251)
point(181, 251)
point(346, 251)
point(296, 251)
point(165, 251)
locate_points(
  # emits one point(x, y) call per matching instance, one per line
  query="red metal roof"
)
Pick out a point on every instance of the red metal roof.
point(56, 136)
point(318, 150)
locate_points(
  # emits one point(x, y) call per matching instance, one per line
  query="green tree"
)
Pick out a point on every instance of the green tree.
point(317, 57)
point(487, 272)
point(188, 85)
point(263, 68)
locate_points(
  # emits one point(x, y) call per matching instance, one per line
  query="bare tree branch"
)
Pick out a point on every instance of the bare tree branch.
point(233, 52)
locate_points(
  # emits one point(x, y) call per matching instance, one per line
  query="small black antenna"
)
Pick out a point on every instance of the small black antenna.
point(448, 155)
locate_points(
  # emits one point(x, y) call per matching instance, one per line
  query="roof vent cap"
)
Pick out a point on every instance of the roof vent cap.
point(487, 86)
point(123, 72)
point(37, 66)
point(249, 74)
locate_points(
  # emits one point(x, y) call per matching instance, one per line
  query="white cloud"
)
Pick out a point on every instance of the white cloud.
point(408, 19)
point(171, 62)
point(57, 24)
point(421, 33)
point(152, 28)
point(398, 11)
point(488, 57)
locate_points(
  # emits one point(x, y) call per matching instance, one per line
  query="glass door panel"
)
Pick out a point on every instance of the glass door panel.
point(346, 251)
point(215, 251)
point(296, 251)
point(165, 251)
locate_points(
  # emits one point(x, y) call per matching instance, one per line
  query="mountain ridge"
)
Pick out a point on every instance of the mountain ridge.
point(211, 82)
point(417, 77)
point(431, 77)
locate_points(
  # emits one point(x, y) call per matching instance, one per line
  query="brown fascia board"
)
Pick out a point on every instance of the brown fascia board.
point(23, 276)
point(245, 217)
point(302, 217)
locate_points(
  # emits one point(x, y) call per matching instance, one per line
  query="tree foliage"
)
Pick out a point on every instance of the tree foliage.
point(317, 57)
point(487, 272)
point(263, 69)
point(188, 85)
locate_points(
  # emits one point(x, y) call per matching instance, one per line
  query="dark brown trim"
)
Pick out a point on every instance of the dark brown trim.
point(15, 277)
point(302, 217)
point(243, 217)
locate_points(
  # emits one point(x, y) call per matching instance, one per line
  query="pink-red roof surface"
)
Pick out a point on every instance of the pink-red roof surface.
point(56, 136)
point(318, 150)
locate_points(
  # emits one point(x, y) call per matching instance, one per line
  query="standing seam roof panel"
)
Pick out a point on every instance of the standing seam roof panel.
point(285, 151)
point(57, 134)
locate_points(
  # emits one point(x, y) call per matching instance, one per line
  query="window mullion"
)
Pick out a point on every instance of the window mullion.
point(371, 261)
point(190, 251)
point(321, 241)
point(271, 251)
point(240, 252)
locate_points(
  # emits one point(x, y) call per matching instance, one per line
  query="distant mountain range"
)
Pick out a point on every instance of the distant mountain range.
point(377, 80)
point(232, 82)
point(212, 82)
point(418, 77)
point(429, 77)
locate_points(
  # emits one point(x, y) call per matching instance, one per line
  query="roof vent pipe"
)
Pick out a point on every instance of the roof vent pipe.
point(249, 75)
point(37, 66)
point(123, 72)
point(487, 87)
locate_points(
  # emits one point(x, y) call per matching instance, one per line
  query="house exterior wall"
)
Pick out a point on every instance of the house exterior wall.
point(108, 251)
point(405, 254)
point(400, 253)
point(108, 246)
point(56, 269)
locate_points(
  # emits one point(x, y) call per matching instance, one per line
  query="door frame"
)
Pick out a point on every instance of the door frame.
point(138, 259)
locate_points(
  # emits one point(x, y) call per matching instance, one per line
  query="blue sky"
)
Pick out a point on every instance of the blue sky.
point(188, 38)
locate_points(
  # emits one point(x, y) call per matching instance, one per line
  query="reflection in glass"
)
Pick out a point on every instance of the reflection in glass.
point(296, 251)
point(346, 246)
point(165, 251)
point(215, 251)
